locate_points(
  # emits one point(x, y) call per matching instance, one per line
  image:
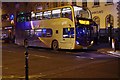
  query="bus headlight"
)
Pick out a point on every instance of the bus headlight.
point(77, 43)
point(92, 42)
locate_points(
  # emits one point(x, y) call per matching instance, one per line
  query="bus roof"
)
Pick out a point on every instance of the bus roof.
point(71, 6)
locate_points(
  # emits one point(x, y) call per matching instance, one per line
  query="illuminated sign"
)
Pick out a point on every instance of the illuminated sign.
point(84, 22)
point(11, 17)
point(8, 27)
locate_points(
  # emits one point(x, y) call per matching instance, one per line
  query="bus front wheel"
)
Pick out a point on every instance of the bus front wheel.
point(55, 45)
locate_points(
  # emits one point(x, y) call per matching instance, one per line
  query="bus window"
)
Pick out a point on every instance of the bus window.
point(47, 15)
point(67, 13)
point(80, 12)
point(68, 32)
point(27, 32)
point(31, 32)
point(33, 16)
point(39, 16)
point(28, 16)
point(43, 32)
point(38, 32)
point(56, 13)
point(21, 18)
point(49, 33)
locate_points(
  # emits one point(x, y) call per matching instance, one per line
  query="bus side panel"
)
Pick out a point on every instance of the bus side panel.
point(21, 35)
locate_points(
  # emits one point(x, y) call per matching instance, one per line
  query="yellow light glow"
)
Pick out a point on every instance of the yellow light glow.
point(84, 22)
point(12, 22)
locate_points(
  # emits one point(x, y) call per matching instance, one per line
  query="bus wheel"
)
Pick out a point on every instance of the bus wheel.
point(55, 45)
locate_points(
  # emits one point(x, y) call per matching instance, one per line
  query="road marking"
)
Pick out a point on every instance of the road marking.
point(9, 51)
point(42, 56)
point(21, 77)
point(55, 72)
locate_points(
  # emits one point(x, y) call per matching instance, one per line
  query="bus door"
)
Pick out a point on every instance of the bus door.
point(67, 38)
point(30, 36)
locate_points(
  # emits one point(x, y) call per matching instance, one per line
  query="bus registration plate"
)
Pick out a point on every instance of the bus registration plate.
point(84, 47)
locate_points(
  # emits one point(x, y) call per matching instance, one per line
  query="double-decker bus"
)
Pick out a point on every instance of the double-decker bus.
point(66, 27)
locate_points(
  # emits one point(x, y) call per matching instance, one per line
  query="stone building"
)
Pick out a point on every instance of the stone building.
point(104, 12)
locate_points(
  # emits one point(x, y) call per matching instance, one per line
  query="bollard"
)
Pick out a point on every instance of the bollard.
point(26, 59)
point(115, 44)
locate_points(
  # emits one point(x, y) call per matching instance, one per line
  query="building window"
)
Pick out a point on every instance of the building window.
point(96, 3)
point(68, 32)
point(73, 2)
point(96, 19)
point(84, 3)
point(109, 1)
point(109, 20)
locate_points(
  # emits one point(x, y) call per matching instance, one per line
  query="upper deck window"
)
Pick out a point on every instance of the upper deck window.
point(67, 13)
point(96, 3)
point(80, 12)
point(39, 16)
point(84, 3)
point(33, 16)
point(23, 17)
point(56, 13)
point(109, 1)
point(47, 15)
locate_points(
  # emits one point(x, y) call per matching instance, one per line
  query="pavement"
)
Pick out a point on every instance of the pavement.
point(106, 49)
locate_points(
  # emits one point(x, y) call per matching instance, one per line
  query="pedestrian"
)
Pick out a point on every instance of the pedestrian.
point(116, 37)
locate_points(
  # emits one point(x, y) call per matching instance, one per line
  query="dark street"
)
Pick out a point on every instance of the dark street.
point(46, 63)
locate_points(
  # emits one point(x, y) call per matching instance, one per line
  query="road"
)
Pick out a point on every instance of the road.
point(46, 63)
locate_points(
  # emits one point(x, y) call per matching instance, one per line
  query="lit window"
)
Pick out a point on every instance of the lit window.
point(39, 16)
point(33, 17)
point(74, 2)
point(109, 1)
point(43, 32)
point(23, 17)
point(68, 32)
point(97, 20)
point(109, 20)
point(47, 15)
point(56, 13)
point(96, 3)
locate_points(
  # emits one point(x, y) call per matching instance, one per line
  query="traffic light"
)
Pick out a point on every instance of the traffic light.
point(11, 17)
